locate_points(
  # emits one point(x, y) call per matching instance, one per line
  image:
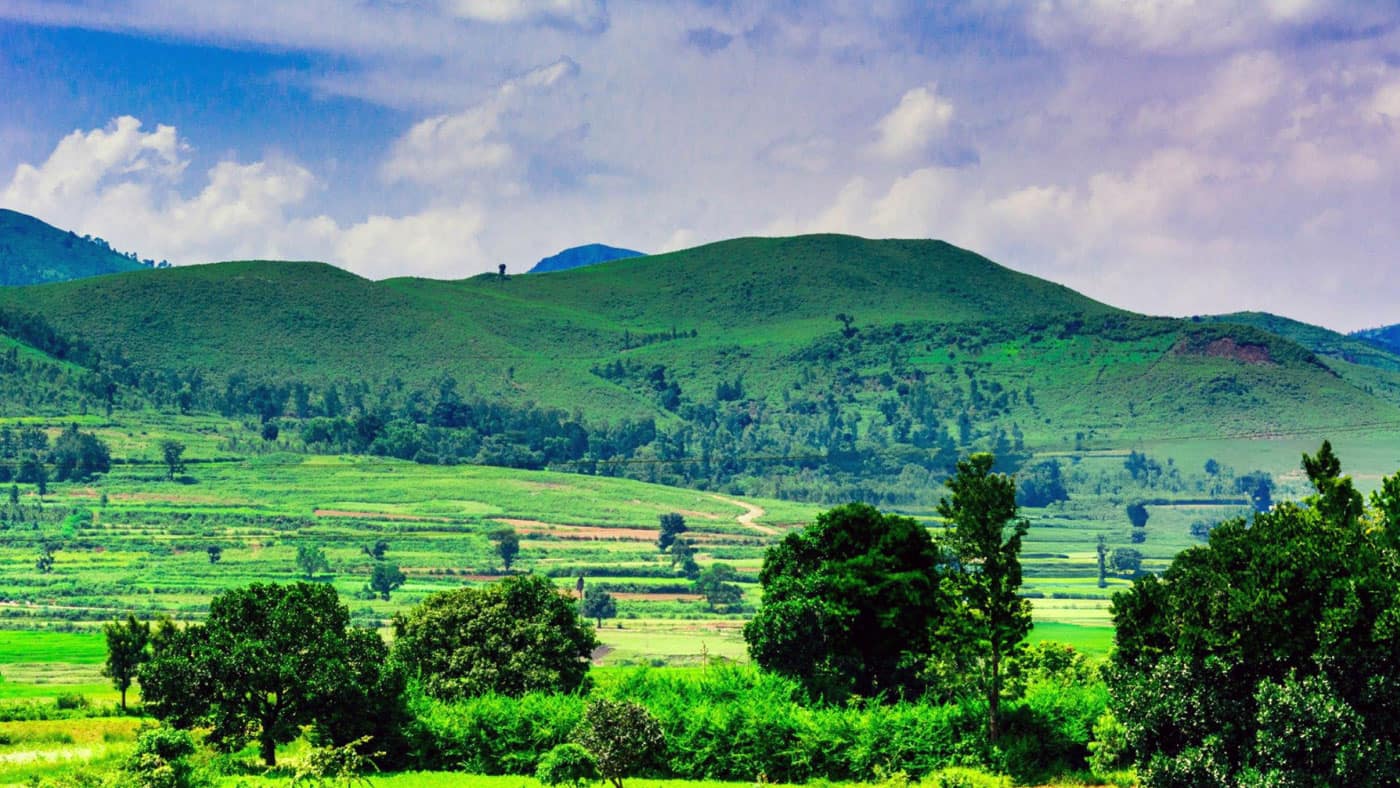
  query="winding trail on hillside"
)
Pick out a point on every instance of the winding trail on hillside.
point(750, 514)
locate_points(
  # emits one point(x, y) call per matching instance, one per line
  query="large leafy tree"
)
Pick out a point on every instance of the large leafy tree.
point(269, 660)
point(1270, 655)
point(850, 604)
point(986, 533)
point(512, 637)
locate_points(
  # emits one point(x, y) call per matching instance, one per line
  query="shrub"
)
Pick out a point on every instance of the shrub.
point(161, 759)
point(567, 764)
point(622, 735)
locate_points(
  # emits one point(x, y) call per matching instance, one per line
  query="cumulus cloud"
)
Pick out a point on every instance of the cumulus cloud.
point(920, 119)
point(124, 184)
point(444, 148)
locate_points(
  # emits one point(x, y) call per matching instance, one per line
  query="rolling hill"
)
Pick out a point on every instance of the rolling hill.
point(580, 256)
point(33, 252)
point(885, 353)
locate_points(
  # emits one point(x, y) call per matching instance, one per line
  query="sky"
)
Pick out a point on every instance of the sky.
point(1168, 156)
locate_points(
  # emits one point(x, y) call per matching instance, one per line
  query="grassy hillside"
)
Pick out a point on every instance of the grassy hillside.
point(763, 310)
point(33, 252)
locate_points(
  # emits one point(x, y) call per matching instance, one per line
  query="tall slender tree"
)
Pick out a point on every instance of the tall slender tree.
point(985, 532)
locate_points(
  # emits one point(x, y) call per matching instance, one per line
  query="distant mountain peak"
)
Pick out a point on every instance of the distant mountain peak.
point(580, 256)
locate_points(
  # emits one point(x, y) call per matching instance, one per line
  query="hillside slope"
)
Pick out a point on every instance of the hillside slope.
point(33, 252)
point(880, 335)
point(1387, 337)
point(580, 256)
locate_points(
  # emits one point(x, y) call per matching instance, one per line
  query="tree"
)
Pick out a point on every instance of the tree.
point(683, 558)
point(376, 550)
point(173, 453)
point(507, 546)
point(127, 645)
point(216, 553)
point(268, 660)
point(567, 764)
point(986, 533)
point(1125, 560)
point(599, 605)
point(1259, 487)
point(311, 559)
point(672, 526)
point(44, 563)
point(512, 637)
point(1102, 549)
point(1267, 655)
point(385, 578)
point(715, 583)
point(1041, 485)
point(1137, 514)
point(851, 604)
point(622, 735)
point(79, 456)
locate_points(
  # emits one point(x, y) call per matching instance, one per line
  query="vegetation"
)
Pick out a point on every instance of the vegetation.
point(516, 636)
point(1266, 655)
point(979, 513)
point(268, 660)
point(851, 604)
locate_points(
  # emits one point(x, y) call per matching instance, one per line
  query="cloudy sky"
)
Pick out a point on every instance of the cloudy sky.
point(1170, 156)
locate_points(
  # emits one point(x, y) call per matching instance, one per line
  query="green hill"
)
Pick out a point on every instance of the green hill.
point(833, 357)
point(1387, 337)
point(32, 252)
point(1351, 349)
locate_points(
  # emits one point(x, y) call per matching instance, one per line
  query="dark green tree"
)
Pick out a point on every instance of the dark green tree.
point(1137, 514)
point(672, 526)
point(1102, 548)
point(512, 637)
point(127, 649)
point(851, 604)
point(216, 553)
point(78, 456)
point(599, 605)
point(1041, 484)
point(1259, 487)
point(172, 452)
point(384, 578)
point(507, 546)
point(1267, 656)
point(268, 660)
point(376, 550)
point(311, 559)
point(1126, 560)
point(716, 583)
point(985, 532)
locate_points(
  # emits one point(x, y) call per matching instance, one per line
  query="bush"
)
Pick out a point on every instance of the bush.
point(567, 764)
point(965, 777)
point(622, 735)
point(161, 759)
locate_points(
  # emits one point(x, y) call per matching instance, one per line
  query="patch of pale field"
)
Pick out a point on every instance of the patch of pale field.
point(1084, 612)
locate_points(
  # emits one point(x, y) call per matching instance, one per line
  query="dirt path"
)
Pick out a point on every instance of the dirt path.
point(750, 514)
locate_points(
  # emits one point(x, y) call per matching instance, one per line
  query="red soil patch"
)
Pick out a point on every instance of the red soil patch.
point(1226, 347)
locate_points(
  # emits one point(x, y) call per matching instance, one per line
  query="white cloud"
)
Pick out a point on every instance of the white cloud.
point(1168, 26)
point(920, 119)
point(123, 184)
point(442, 243)
point(588, 15)
point(444, 148)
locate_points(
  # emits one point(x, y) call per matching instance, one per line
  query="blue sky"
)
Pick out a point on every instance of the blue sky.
point(1169, 157)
